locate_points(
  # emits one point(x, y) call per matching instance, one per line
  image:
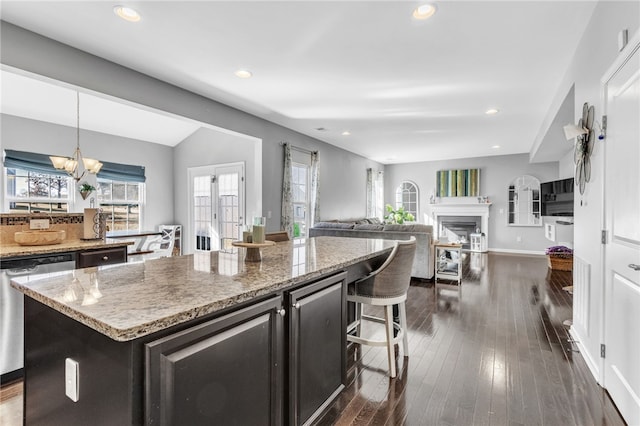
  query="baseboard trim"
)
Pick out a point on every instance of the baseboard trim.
point(588, 359)
point(511, 251)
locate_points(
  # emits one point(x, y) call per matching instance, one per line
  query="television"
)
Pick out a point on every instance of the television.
point(557, 197)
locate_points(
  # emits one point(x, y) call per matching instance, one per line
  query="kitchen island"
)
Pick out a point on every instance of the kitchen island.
point(197, 339)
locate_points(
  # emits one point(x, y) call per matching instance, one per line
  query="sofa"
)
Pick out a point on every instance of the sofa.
point(372, 228)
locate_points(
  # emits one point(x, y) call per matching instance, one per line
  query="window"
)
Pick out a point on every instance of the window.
point(300, 197)
point(122, 202)
point(407, 197)
point(30, 191)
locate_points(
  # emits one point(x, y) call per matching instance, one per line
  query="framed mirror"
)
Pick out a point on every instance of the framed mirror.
point(524, 202)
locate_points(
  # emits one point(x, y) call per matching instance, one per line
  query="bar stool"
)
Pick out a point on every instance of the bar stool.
point(386, 286)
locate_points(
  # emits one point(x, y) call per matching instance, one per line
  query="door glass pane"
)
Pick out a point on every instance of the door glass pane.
point(228, 209)
point(202, 212)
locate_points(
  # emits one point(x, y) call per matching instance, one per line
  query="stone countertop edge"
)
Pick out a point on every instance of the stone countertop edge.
point(16, 250)
point(215, 297)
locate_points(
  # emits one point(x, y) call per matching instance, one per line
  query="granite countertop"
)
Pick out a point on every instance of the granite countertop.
point(128, 301)
point(15, 250)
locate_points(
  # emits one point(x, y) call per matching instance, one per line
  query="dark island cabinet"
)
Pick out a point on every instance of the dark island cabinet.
point(317, 353)
point(110, 256)
point(275, 360)
point(226, 371)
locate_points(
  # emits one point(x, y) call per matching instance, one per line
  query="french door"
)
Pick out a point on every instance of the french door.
point(217, 204)
point(622, 220)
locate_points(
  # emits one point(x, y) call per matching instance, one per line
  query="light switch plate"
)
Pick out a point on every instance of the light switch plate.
point(39, 224)
point(72, 379)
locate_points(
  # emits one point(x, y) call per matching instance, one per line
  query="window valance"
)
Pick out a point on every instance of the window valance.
point(31, 161)
point(40, 163)
point(122, 172)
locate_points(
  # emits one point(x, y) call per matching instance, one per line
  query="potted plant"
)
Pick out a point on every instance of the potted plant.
point(398, 215)
point(86, 189)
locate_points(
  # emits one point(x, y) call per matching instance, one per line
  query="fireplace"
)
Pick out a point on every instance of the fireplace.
point(457, 221)
point(459, 228)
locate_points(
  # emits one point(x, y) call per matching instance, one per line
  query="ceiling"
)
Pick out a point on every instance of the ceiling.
point(405, 90)
point(27, 97)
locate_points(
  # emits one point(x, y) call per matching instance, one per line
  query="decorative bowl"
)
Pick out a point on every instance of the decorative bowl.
point(39, 237)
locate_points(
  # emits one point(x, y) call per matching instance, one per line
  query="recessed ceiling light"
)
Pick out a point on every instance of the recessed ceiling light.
point(492, 111)
point(495, 146)
point(346, 133)
point(425, 11)
point(127, 13)
point(243, 74)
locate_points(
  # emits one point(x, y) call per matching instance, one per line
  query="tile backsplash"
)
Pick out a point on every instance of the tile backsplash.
point(72, 223)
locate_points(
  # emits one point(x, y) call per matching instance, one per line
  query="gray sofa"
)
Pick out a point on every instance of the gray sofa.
point(423, 261)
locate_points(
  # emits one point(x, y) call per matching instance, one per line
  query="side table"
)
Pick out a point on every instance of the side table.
point(448, 257)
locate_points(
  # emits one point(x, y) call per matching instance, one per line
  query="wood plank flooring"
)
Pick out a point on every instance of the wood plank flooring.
point(11, 404)
point(496, 355)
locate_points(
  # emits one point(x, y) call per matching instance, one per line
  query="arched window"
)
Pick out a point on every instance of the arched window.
point(407, 197)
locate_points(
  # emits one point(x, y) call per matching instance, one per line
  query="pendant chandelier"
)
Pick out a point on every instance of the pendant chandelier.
point(76, 166)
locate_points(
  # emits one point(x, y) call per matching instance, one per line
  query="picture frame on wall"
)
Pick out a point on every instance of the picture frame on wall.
point(458, 183)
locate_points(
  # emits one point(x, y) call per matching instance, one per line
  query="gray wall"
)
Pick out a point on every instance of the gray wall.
point(37, 136)
point(495, 175)
point(343, 176)
point(207, 147)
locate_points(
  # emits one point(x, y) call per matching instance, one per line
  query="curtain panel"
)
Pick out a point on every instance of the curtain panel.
point(315, 188)
point(375, 193)
point(370, 194)
point(286, 218)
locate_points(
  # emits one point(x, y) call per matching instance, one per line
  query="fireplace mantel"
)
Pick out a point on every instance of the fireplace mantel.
point(452, 209)
point(460, 209)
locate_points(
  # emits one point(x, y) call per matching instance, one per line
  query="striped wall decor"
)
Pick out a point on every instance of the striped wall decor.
point(458, 183)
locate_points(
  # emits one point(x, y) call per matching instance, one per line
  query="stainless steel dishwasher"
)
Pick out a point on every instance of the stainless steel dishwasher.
point(12, 307)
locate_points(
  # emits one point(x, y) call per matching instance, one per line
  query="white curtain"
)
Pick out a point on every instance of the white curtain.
point(370, 193)
point(315, 189)
point(375, 193)
point(286, 221)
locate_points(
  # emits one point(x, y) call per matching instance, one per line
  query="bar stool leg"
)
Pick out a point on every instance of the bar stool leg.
point(388, 322)
point(403, 326)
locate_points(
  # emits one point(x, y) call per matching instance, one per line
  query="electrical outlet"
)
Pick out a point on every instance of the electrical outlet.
point(269, 214)
point(39, 224)
point(72, 379)
point(519, 239)
point(501, 211)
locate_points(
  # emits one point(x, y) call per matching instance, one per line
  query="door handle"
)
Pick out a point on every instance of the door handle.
point(634, 267)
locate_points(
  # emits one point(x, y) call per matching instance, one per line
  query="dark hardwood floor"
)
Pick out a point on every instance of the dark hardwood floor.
point(497, 355)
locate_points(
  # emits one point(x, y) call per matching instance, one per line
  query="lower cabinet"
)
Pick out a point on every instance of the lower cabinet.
point(226, 371)
point(280, 361)
point(317, 347)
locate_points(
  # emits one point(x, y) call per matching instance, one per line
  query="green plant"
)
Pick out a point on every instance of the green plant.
point(398, 216)
point(85, 187)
